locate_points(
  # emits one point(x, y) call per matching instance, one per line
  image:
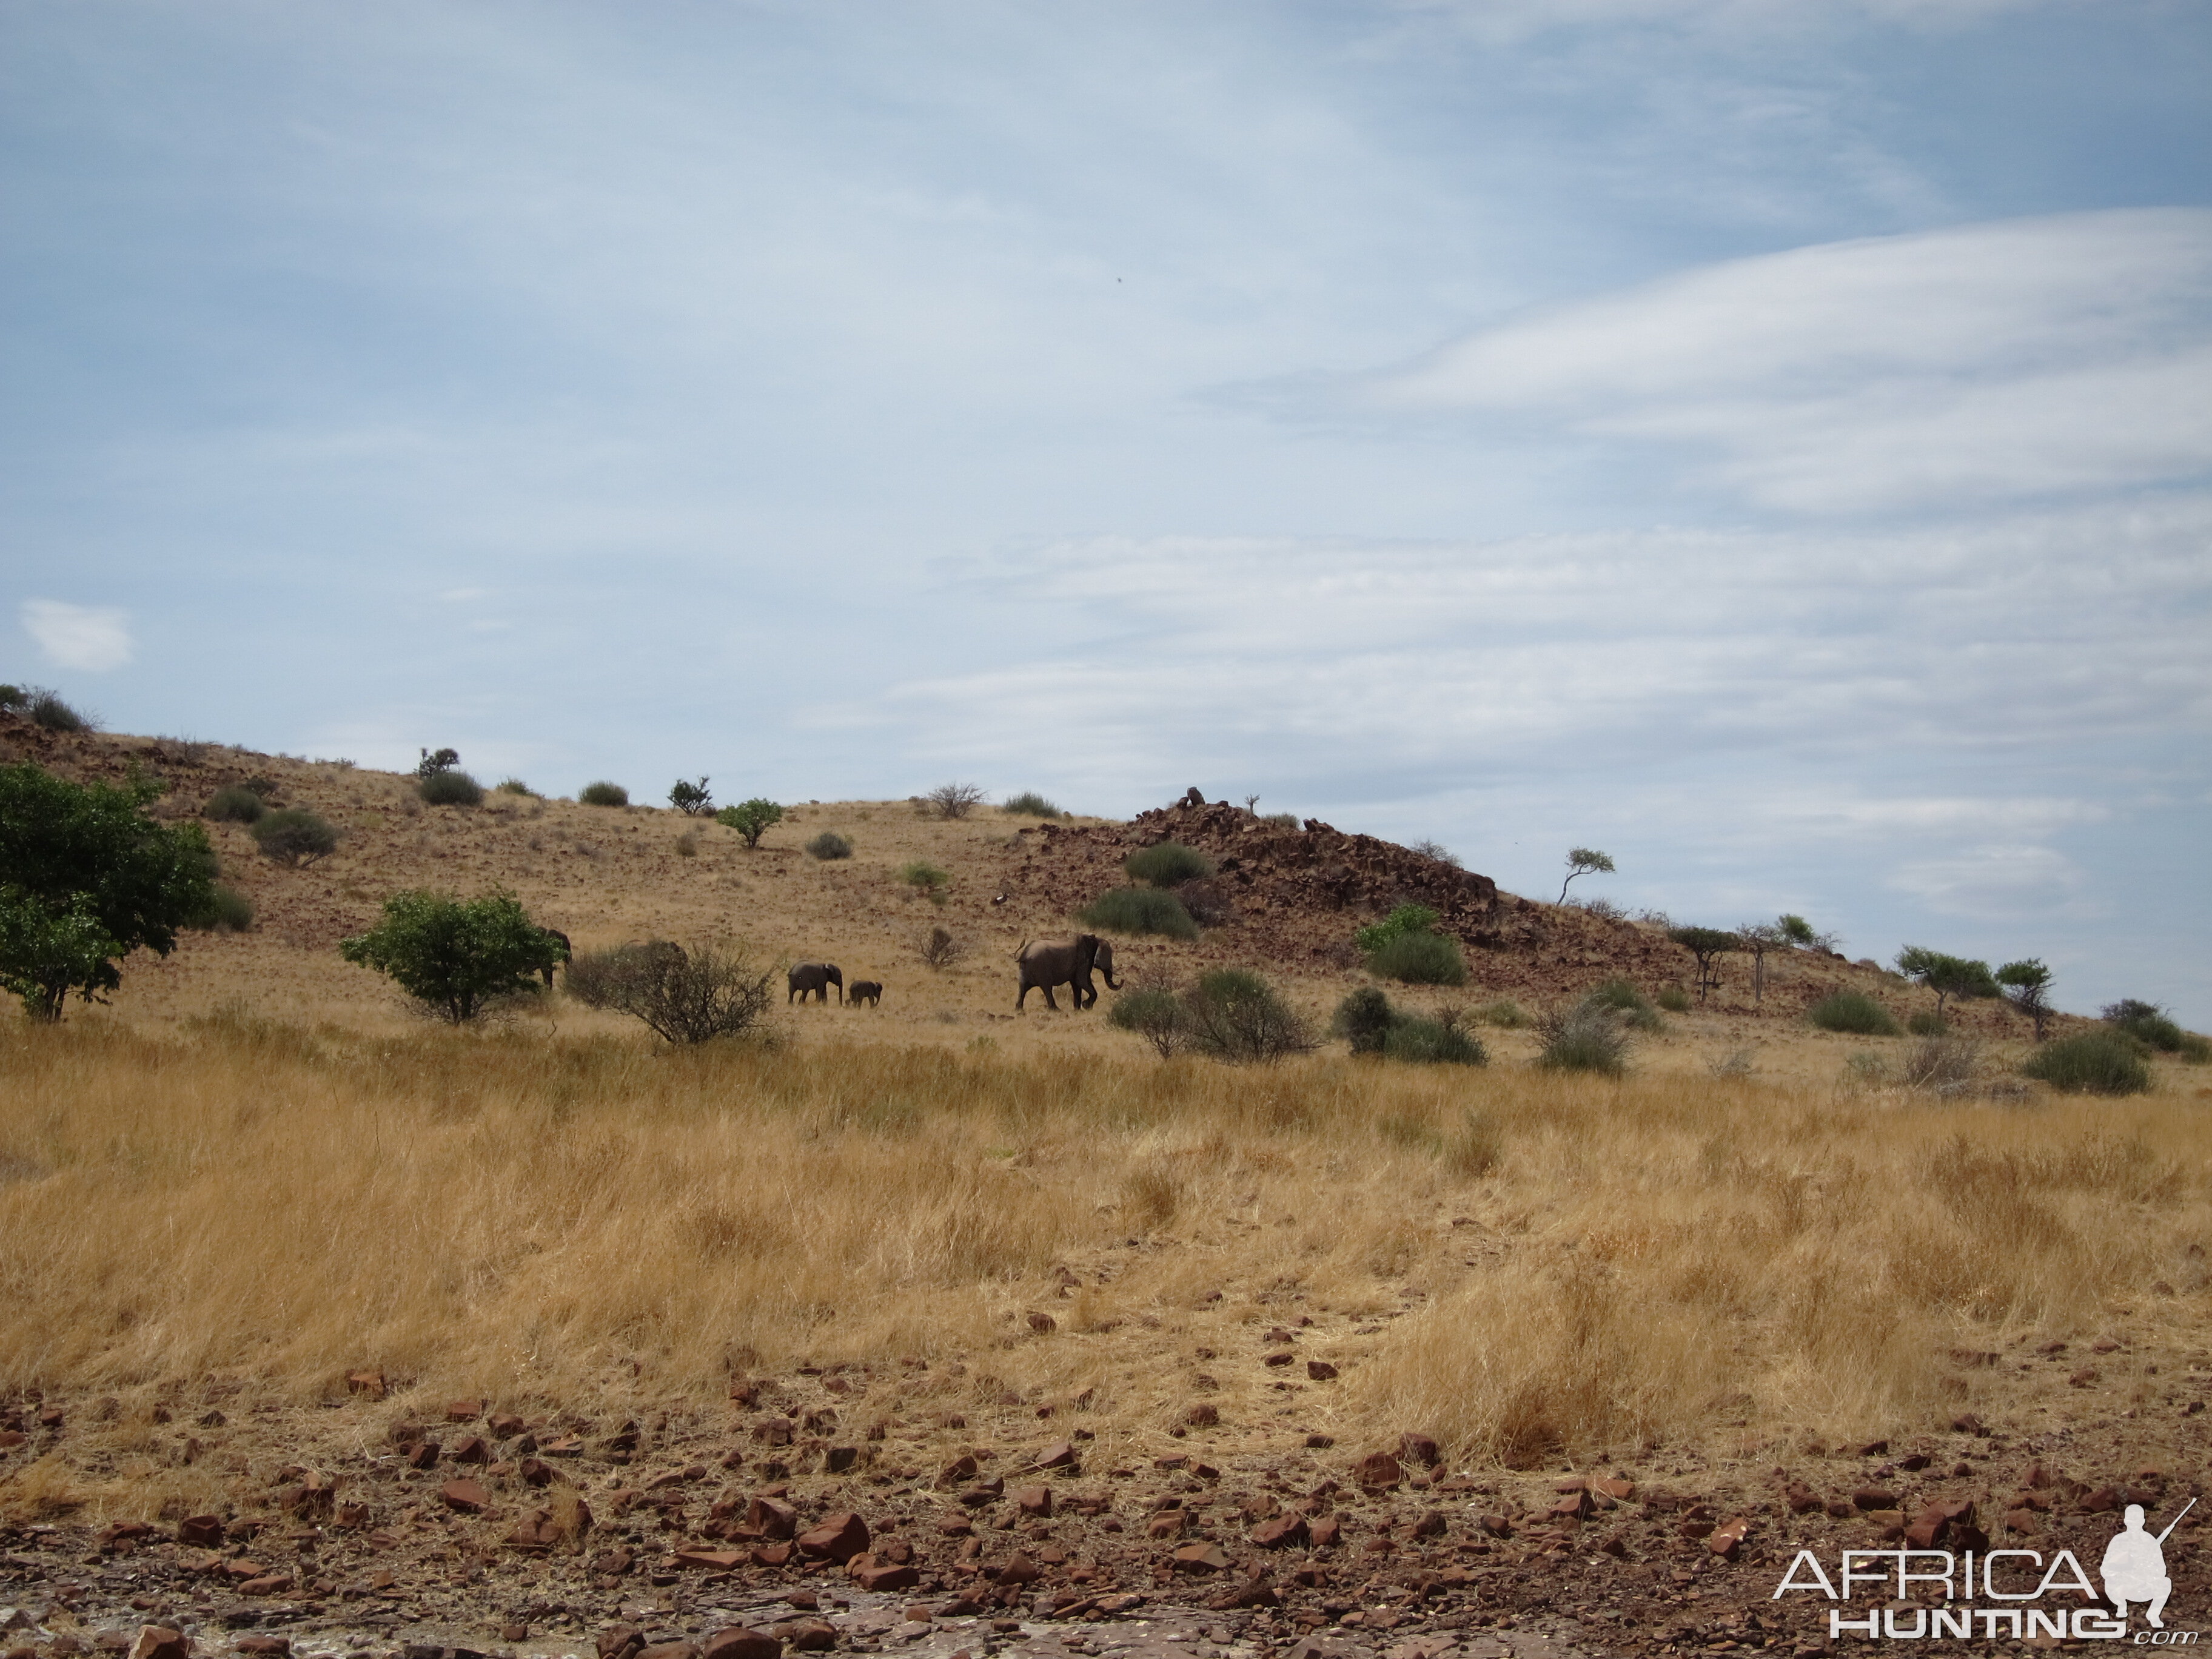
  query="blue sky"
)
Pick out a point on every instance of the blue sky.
point(1770, 442)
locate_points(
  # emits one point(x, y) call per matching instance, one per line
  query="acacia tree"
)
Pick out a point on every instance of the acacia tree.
point(1758, 938)
point(751, 819)
point(1708, 945)
point(2027, 988)
point(1584, 861)
point(455, 956)
point(86, 877)
point(1798, 934)
point(1947, 976)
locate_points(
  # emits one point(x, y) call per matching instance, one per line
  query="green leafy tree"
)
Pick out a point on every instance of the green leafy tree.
point(751, 819)
point(455, 955)
point(1406, 919)
point(1708, 945)
point(1947, 976)
point(2027, 987)
point(1799, 933)
point(86, 877)
point(445, 759)
point(1584, 861)
point(692, 798)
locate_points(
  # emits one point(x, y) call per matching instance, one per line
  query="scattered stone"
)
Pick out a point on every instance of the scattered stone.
point(1034, 1501)
point(159, 1642)
point(1201, 1416)
point(463, 1411)
point(767, 1517)
point(838, 1538)
point(1199, 1558)
point(1377, 1469)
point(465, 1496)
point(369, 1383)
point(1875, 1497)
point(1727, 1539)
point(471, 1449)
point(1418, 1449)
point(1320, 1371)
point(201, 1532)
point(1284, 1532)
point(1044, 1323)
point(735, 1642)
point(1061, 1454)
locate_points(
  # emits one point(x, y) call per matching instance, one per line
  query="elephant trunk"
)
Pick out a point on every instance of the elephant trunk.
point(1112, 984)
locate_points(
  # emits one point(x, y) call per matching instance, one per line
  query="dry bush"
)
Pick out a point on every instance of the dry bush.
point(941, 947)
point(955, 800)
point(536, 1215)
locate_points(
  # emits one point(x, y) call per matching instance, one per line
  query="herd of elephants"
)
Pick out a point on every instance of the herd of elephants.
point(1043, 964)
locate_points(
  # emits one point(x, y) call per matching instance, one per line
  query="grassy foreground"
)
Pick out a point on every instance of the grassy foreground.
point(1523, 1265)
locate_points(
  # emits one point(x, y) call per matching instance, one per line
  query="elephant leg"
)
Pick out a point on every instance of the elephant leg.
point(1021, 998)
point(1048, 1002)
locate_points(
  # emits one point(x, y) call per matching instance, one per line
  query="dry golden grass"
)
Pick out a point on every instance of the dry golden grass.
point(1522, 1264)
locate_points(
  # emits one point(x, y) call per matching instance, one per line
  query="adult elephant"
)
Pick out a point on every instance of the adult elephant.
point(817, 977)
point(562, 953)
point(1047, 962)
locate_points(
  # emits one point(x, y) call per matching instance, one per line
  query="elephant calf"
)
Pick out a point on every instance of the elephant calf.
point(815, 976)
point(865, 990)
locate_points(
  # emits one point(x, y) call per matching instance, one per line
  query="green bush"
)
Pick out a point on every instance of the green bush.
point(692, 800)
point(294, 837)
point(604, 793)
point(48, 712)
point(1432, 1043)
point(2151, 1025)
point(1154, 1013)
point(1364, 1019)
point(751, 819)
point(1169, 863)
point(926, 877)
point(450, 789)
point(1281, 820)
point(1139, 910)
point(1030, 805)
point(14, 699)
point(1854, 1011)
point(1504, 1013)
point(1588, 1038)
point(2095, 1063)
point(1235, 1016)
point(1406, 919)
point(233, 804)
point(1673, 999)
point(1419, 959)
point(516, 787)
point(682, 996)
point(229, 911)
point(1634, 1008)
point(456, 956)
point(830, 845)
point(1922, 1023)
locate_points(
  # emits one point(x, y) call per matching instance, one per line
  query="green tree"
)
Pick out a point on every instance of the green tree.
point(2027, 987)
point(692, 798)
point(455, 956)
point(752, 819)
point(1708, 945)
point(86, 877)
point(1757, 939)
point(1797, 932)
point(1584, 861)
point(1947, 976)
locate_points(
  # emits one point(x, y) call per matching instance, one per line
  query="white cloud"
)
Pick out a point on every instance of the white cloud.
point(1999, 883)
point(1957, 365)
point(79, 636)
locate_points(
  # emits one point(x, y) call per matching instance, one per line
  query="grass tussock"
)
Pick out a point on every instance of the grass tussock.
point(535, 1216)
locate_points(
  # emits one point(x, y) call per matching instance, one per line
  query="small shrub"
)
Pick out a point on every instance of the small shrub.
point(444, 760)
point(693, 996)
point(1603, 909)
point(49, 713)
point(294, 837)
point(692, 800)
point(687, 845)
point(516, 787)
point(1923, 1024)
point(1364, 1019)
point(830, 845)
point(1504, 1013)
point(1154, 1013)
point(2094, 1063)
point(14, 699)
point(2151, 1025)
point(1437, 850)
point(1673, 999)
point(954, 800)
point(1943, 1064)
point(751, 819)
point(1030, 805)
point(1419, 959)
point(604, 793)
point(1406, 919)
point(450, 789)
point(1587, 1037)
point(1281, 820)
point(456, 957)
point(940, 949)
point(229, 911)
point(1634, 1009)
point(1475, 1148)
point(263, 786)
point(1169, 863)
point(1235, 1016)
point(925, 878)
point(233, 804)
point(1854, 1011)
point(1139, 910)
point(1432, 1043)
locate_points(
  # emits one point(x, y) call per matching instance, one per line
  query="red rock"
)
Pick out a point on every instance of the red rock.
point(1282, 1357)
point(2084, 1378)
point(265, 1645)
point(1061, 1454)
point(1377, 1469)
point(1284, 1532)
point(1199, 1558)
point(504, 1425)
point(1019, 1569)
point(1418, 1449)
point(735, 1642)
point(1801, 1498)
point(471, 1449)
point(614, 1562)
point(159, 1642)
point(1203, 1415)
point(1168, 1523)
point(275, 1584)
point(1254, 1592)
point(772, 1555)
point(1325, 1532)
point(713, 1560)
point(1725, 1540)
point(1042, 1323)
point(960, 1468)
point(568, 1445)
point(2038, 1475)
point(767, 1518)
point(1496, 1526)
point(369, 1383)
point(533, 1473)
point(1430, 1525)
point(1572, 1507)
point(1841, 1508)
point(2102, 1499)
point(422, 1455)
point(1320, 1371)
point(1967, 1423)
point(620, 1641)
point(201, 1532)
point(466, 1496)
point(670, 1650)
point(1873, 1497)
point(893, 1575)
point(1034, 1500)
point(838, 1538)
point(812, 1635)
point(840, 1460)
point(463, 1411)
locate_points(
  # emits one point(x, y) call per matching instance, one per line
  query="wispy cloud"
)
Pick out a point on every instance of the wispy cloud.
point(85, 637)
point(1964, 366)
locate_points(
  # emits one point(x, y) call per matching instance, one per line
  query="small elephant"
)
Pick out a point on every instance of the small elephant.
point(561, 953)
point(865, 990)
point(817, 977)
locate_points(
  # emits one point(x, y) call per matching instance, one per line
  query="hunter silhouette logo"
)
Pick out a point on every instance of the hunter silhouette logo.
point(2011, 1583)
